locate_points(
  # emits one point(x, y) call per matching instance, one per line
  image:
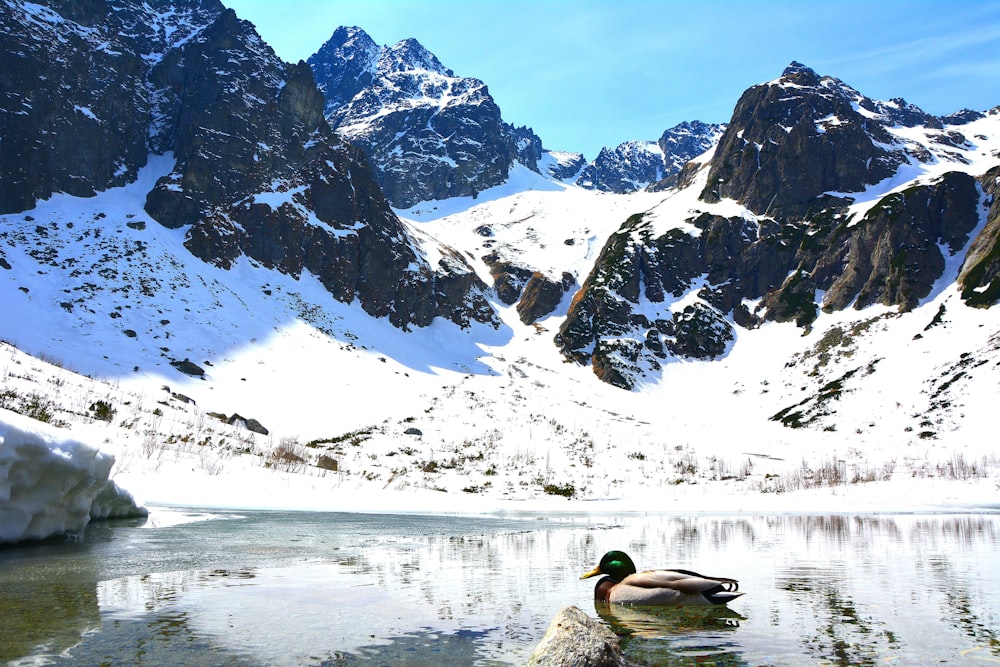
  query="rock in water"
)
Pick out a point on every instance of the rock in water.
point(577, 640)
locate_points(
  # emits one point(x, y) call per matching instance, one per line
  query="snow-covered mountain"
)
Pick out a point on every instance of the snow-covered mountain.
point(433, 135)
point(635, 165)
point(429, 133)
point(816, 198)
point(246, 165)
point(217, 292)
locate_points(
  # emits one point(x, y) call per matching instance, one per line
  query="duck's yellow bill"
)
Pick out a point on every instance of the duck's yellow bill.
point(593, 573)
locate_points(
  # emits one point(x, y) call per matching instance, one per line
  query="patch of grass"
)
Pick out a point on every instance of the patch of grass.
point(32, 405)
point(565, 490)
point(353, 438)
point(102, 411)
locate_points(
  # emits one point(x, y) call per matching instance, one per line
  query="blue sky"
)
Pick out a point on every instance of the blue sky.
point(591, 73)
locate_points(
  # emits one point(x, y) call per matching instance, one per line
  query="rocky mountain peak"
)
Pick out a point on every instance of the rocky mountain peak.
point(800, 118)
point(823, 225)
point(428, 133)
point(634, 165)
point(356, 54)
point(409, 54)
point(800, 74)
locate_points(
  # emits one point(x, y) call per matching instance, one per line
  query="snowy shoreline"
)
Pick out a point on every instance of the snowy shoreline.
point(894, 497)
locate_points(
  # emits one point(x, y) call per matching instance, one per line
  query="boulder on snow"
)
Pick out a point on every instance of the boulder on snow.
point(188, 367)
point(577, 640)
point(249, 424)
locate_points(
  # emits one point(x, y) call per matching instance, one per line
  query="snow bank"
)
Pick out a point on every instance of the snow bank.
point(51, 485)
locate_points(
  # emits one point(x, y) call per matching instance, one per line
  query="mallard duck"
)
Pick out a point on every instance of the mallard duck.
point(675, 588)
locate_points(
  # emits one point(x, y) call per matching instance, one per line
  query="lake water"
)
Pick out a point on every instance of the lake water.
point(278, 588)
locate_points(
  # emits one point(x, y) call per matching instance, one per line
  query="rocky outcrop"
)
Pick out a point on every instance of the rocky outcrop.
point(535, 294)
point(893, 255)
point(609, 323)
point(75, 115)
point(428, 133)
point(258, 171)
point(980, 274)
point(541, 296)
point(564, 166)
point(573, 639)
point(509, 278)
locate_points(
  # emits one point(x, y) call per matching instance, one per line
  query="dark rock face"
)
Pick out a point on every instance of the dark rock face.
point(799, 242)
point(92, 89)
point(428, 133)
point(893, 256)
point(509, 278)
point(635, 266)
point(541, 295)
point(74, 111)
point(980, 274)
point(792, 140)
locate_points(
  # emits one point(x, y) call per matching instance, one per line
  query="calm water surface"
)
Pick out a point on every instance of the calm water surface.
point(276, 588)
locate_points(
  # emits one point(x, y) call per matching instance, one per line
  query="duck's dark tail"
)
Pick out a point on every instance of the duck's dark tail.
point(726, 591)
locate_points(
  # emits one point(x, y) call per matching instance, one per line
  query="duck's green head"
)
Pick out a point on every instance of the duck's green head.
point(615, 564)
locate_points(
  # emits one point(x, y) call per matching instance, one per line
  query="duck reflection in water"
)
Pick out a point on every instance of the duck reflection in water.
point(666, 588)
point(660, 622)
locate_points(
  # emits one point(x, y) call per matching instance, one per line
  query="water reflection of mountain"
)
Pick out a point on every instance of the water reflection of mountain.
point(829, 589)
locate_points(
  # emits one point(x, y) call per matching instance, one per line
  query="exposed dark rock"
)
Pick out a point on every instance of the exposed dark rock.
point(327, 463)
point(73, 113)
point(629, 167)
point(962, 117)
point(188, 368)
point(792, 140)
point(892, 256)
point(603, 326)
point(980, 274)
point(634, 165)
point(509, 278)
point(249, 424)
point(541, 295)
point(183, 399)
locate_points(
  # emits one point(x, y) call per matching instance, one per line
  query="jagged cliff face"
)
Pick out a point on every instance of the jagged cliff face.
point(428, 133)
point(91, 92)
point(798, 210)
point(75, 113)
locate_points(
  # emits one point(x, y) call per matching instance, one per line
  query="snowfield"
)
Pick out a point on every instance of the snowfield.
point(360, 416)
